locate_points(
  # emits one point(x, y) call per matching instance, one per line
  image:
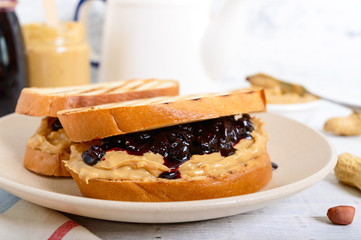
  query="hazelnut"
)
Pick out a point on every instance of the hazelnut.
point(342, 215)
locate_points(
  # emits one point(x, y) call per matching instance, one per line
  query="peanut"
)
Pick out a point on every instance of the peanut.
point(348, 170)
point(342, 215)
point(344, 126)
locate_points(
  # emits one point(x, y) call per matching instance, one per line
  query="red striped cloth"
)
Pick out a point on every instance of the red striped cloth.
point(20, 219)
point(61, 231)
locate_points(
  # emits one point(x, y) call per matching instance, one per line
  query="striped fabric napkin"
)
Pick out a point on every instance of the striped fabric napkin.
point(20, 219)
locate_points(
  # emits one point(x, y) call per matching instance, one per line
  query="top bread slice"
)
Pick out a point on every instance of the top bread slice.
point(46, 102)
point(85, 124)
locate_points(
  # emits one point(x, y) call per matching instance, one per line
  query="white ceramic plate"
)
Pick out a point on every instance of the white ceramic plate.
point(304, 157)
point(282, 108)
point(302, 112)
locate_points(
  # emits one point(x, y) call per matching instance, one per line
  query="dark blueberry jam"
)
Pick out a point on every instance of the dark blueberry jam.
point(56, 125)
point(274, 166)
point(178, 143)
point(93, 155)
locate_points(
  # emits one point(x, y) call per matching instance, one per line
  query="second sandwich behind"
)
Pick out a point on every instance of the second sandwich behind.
point(49, 146)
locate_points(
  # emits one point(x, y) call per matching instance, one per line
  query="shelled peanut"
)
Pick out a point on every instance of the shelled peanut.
point(341, 215)
point(345, 126)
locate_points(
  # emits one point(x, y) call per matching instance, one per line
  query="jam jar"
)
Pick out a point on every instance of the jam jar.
point(13, 70)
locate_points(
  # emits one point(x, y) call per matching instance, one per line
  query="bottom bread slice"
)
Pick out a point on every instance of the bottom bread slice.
point(249, 178)
point(46, 164)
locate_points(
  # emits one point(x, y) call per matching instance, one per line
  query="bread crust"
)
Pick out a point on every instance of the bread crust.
point(247, 179)
point(47, 102)
point(85, 124)
point(46, 164)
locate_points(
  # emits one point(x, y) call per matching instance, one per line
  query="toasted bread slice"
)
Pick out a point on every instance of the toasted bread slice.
point(45, 163)
point(85, 124)
point(48, 101)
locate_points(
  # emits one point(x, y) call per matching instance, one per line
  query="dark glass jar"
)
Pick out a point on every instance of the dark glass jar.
point(13, 72)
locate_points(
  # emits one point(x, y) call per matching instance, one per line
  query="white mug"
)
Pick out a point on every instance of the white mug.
point(166, 39)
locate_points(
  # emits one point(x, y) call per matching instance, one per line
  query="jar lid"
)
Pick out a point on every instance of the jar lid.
point(68, 32)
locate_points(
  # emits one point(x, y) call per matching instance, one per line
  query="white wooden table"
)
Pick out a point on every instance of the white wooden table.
point(301, 216)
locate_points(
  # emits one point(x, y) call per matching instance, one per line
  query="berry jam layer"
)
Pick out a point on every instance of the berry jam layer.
point(56, 125)
point(178, 144)
point(118, 165)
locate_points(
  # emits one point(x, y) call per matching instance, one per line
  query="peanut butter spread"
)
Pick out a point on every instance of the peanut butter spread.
point(275, 96)
point(119, 165)
point(49, 141)
point(280, 92)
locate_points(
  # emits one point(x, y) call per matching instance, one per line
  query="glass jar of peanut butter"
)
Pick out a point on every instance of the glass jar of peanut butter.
point(56, 56)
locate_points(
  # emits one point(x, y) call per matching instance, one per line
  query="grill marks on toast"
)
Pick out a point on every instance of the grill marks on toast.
point(114, 89)
point(151, 84)
point(157, 100)
point(109, 88)
point(49, 101)
point(165, 100)
point(142, 102)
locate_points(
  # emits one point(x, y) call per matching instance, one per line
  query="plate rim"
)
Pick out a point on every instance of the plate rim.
point(294, 107)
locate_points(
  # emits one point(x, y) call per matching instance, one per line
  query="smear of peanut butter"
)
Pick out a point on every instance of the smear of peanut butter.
point(280, 92)
point(48, 141)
